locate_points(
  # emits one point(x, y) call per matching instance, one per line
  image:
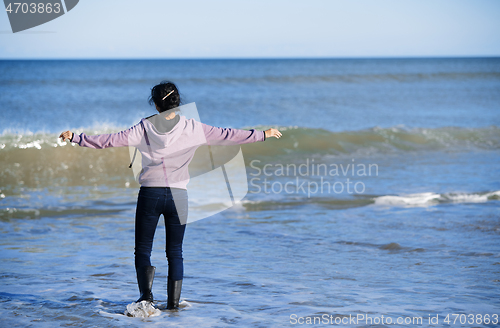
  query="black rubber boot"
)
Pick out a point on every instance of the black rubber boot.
point(145, 276)
point(173, 293)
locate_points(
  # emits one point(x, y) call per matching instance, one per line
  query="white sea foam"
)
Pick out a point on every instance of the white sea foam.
point(466, 198)
point(142, 309)
point(429, 199)
point(422, 199)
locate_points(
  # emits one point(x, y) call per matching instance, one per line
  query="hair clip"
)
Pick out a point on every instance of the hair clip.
point(168, 94)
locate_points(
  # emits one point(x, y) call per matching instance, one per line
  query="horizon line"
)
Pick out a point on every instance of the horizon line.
point(257, 58)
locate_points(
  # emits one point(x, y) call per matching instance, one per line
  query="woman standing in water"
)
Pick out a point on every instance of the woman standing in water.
point(164, 179)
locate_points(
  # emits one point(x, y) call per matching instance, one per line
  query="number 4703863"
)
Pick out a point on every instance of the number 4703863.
point(33, 8)
point(472, 319)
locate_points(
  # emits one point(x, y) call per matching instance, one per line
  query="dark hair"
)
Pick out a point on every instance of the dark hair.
point(158, 93)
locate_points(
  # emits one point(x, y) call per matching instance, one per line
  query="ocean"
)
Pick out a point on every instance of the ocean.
point(378, 206)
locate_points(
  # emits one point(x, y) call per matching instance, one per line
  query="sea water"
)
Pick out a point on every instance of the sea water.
point(381, 200)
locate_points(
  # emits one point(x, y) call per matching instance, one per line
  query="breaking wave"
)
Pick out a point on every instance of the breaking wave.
point(41, 159)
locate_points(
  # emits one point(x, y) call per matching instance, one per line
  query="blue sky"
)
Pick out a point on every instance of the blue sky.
point(261, 29)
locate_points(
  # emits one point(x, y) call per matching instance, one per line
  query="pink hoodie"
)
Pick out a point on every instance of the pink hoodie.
point(166, 156)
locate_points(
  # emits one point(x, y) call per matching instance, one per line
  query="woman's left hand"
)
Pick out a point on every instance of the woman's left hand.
point(66, 135)
point(273, 133)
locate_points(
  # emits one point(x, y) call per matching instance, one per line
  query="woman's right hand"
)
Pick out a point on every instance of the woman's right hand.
point(273, 133)
point(66, 135)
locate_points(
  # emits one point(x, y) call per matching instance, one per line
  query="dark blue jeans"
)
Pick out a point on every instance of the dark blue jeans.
point(151, 203)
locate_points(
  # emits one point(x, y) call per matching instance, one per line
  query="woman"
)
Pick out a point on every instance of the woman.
point(167, 143)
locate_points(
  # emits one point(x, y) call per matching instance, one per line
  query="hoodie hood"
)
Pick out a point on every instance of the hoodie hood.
point(154, 126)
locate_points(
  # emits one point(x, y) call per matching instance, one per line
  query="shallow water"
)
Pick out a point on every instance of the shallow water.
point(256, 268)
point(422, 239)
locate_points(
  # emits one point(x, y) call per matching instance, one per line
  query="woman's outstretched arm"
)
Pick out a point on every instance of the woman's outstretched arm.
point(129, 137)
point(227, 136)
